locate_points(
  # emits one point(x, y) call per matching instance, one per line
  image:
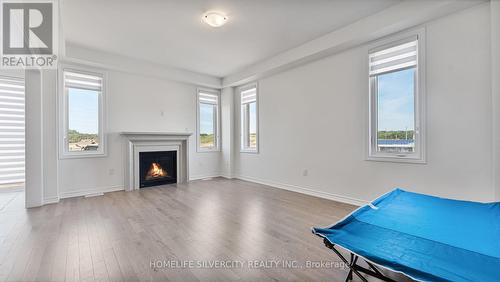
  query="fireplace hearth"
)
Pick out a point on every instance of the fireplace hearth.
point(157, 168)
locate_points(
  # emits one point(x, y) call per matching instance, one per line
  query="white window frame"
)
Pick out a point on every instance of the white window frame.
point(64, 153)
point(419, 155)
point(244, 131)
point(217, 113)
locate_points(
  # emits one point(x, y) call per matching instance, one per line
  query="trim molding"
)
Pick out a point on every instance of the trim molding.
point(294, 188)
point(137, 142)
point(77, 54)
point(203, 176)
point(51, 200)
point(85, 192)
point(394, 19)
point(308, 191)
point(227, 176)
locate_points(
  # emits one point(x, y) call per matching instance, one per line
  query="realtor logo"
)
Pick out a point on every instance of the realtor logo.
point(28, 34)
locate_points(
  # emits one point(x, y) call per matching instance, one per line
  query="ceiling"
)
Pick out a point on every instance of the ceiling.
point(171, 33)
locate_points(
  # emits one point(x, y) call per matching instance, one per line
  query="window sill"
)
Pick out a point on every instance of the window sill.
point(215, 150)
point(82, 155)
point(396, 159)
point(249, 151)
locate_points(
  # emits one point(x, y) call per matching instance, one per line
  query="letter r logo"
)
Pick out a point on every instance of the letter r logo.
point(27, 28)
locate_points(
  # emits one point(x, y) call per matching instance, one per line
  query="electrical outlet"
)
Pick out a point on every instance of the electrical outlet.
point(305, 172)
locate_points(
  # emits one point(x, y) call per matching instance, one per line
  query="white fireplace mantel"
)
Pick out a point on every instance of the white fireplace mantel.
point(136, 142)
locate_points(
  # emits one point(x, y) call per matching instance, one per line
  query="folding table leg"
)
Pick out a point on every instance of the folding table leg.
point(352, 267)
point(374, 268)
point(357, 269)
point(349, 275)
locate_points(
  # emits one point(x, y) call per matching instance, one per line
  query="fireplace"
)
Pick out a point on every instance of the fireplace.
point(137, 143)
point(157, 168)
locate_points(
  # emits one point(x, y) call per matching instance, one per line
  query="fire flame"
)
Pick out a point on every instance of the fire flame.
point(155, 171)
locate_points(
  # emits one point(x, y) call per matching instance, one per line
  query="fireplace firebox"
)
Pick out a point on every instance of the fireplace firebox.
point(157, 168)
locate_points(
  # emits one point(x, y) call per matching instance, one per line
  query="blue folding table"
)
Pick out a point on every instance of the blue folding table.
point(424, 237)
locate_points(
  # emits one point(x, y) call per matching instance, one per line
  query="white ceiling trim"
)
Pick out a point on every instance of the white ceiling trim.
point(391, 20)
point(77, 54)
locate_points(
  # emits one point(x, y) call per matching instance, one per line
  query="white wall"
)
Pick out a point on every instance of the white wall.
point(49, 136)
point(34, 141)
point(495, 89)
point(227, 126)
point(134, 103)
point(314, 117)
point(41, 156)
point(311, 117)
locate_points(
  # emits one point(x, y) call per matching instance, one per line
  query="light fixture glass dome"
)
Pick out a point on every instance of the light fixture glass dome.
point(214, 19)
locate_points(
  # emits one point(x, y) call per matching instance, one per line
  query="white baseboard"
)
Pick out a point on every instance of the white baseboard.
point(98, 194)
point(227, 176)
point(51, 200)
point(34, 204)
point(307, 191)
point(85, 192)
point(203, 176)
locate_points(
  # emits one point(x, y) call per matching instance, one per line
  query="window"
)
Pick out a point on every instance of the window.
point(11, 131)
point(82, 114)
point(396, 101)
point(208, 120)
point(249, 119)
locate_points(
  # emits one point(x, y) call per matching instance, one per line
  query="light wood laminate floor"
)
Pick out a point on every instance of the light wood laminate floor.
point(117, 237)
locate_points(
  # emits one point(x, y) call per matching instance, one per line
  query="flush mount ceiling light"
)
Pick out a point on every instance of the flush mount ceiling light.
point(214, 19)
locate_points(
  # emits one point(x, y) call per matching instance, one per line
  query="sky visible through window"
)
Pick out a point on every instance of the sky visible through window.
point(83, 109)
point(206, 119)
point(396, 101)
point(207, 114)
point(253, 117)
